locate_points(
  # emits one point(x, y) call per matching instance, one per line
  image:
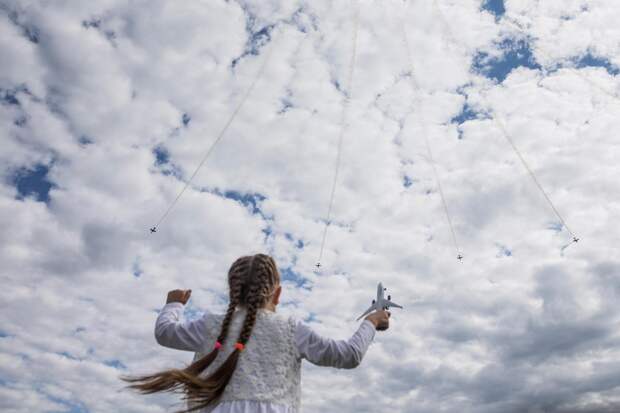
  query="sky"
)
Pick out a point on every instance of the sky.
point(108, 107)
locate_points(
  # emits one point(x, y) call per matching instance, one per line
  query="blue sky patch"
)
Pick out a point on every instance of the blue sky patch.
point(495, 7)
point(20, 121)
point(286, 102)
point(249, 200)
point(257, 37)
point(286, 105)
point(298, 244)
point(503, 251)
point(33, 182)
point(28, 30)
point(268, 233)
point(338, 86)
point(467, 113)
point(67, 355)
point(407, 181)
point(85, 140)
point(95, 23)
point(303, 25)
point(73, 407)
point(161, 155)
point(8, 97)
point(191, 313)
point(555, 226)
point(287, 274)
point(255, 42)
point(162, 161)
point(135, 269)
point(589, 60)
point(117, 364)
point(311, 318)
point(515, 53)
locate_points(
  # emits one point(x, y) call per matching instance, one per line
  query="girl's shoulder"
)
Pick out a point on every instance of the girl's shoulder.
point(277, 317)
point(286, 323)
point(263, 317)
point(212, 320)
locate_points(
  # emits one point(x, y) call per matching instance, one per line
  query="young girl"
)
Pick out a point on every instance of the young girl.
point(249, 359)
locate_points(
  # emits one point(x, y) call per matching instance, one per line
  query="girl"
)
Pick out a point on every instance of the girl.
point(249, 359)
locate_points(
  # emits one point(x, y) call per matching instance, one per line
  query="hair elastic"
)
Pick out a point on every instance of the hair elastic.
point(218, 345)
point(239, 346)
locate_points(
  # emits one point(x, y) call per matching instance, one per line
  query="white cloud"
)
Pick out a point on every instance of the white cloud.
point(91, 89)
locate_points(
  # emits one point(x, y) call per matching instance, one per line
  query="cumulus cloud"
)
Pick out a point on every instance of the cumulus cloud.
point(107, 107)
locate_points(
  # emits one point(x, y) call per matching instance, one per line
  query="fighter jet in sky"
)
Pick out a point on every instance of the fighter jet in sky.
point(380, 303)
point(153, 230)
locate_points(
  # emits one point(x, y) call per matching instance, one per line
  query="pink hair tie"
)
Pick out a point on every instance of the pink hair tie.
point(218, 345)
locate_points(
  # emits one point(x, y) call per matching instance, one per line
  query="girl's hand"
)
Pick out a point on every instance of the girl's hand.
point(380, 319)
point(178, 296)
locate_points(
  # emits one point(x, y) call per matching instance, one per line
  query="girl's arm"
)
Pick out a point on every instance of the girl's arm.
point(171, 331)
point(344, 354)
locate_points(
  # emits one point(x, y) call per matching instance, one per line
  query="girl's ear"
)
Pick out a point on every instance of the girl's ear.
point(276, 295)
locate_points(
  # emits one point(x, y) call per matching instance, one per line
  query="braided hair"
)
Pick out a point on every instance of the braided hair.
point(251, 281)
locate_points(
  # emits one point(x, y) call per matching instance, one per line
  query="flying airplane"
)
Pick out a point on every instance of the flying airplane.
point(380, 303)
point(153, 230)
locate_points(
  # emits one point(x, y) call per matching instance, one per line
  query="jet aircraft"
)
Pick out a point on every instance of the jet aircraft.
point(380, 303)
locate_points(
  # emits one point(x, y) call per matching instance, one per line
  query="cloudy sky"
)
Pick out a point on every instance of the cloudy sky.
point(107, 107)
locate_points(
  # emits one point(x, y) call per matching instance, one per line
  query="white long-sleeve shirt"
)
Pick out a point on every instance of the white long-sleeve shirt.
point(197, 335)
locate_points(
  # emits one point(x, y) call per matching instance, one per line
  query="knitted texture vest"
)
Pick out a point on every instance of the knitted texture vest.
point(268, 369)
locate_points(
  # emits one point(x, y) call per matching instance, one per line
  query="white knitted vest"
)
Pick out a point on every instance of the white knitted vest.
point(269, 368)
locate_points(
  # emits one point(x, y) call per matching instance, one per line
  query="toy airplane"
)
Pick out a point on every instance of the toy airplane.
point(380, 303)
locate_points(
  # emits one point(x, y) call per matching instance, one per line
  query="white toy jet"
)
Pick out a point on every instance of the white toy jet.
point(380, 303)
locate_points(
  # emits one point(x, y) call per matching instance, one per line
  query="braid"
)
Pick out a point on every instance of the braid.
point(235, 282)
point(254, 300)
point(258, 292)
point(251, 280)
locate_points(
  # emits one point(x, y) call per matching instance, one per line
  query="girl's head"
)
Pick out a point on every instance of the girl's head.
point(254, 282)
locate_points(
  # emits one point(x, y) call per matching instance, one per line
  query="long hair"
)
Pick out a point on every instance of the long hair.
point(251, 281)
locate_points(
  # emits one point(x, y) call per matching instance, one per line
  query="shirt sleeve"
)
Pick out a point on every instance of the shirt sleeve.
point(344, 354)
point(171, 331)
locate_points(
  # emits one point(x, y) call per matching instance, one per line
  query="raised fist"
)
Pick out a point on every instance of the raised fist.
point(380, 319)
point(180, 296)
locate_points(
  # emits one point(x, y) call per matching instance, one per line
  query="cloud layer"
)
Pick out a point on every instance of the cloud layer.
point(107, 107)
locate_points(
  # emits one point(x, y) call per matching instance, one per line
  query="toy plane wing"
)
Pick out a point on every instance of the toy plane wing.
point(391, 304)
point(372, 307)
